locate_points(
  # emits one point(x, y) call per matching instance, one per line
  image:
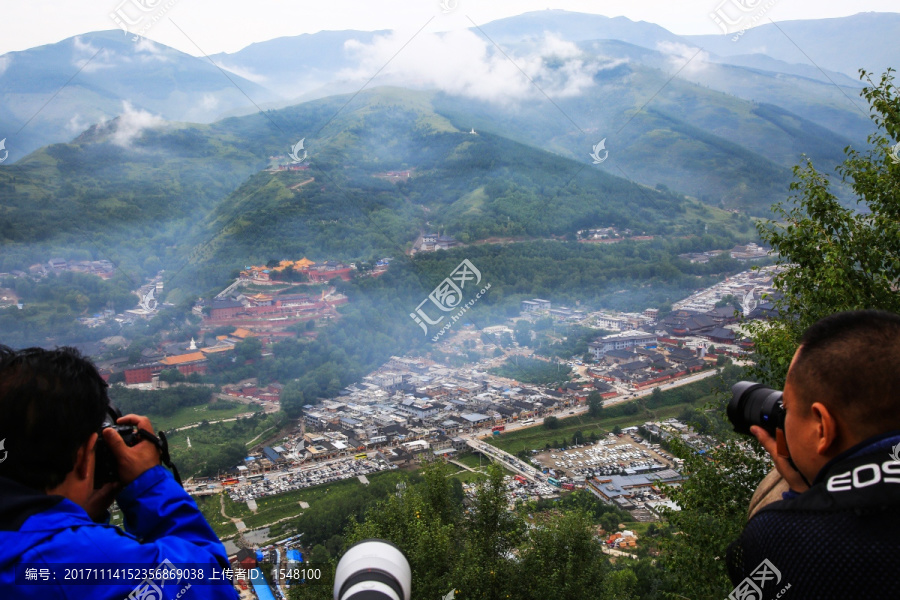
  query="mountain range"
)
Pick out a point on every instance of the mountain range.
point(551, 121)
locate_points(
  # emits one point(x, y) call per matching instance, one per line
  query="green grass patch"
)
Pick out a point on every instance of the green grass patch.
point(472, 460)
point(189, 415)
point(210, 507)
point(468, 476)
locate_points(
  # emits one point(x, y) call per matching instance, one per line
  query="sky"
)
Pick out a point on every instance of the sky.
point(210, 26)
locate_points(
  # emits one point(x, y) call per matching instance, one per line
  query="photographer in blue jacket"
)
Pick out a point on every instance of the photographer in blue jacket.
point(55, 541)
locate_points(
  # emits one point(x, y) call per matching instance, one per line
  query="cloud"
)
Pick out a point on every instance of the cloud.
point(5, 61)
point(132, 122)
point(680, 54)
point(86, 56)
point(462, 63)
point(209, 102)
point(148, 51)
point(247, 74)
point(77, 124)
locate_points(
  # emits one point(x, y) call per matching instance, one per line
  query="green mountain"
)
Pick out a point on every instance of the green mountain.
point(197, 199)
point(132, 201)
point(54, 92)
point(472, 186)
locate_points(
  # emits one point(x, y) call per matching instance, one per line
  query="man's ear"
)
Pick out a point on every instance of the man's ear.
point(84, 459)
point(827, 429)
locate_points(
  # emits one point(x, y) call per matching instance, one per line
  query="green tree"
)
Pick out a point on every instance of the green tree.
point(248, 349)
point(836, 258)
point(292, 399)
point(171, 376)
point(713, 499)
point(551, 423)
point(561, 559)
point(833, 258)
point(595, 404)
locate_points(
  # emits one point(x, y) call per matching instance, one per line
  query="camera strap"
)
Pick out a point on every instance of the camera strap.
point(162, 444)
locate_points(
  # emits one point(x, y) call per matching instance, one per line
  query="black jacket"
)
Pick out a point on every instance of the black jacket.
point(839, 539)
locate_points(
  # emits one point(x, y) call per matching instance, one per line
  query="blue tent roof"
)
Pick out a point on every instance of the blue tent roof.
point(263, 592)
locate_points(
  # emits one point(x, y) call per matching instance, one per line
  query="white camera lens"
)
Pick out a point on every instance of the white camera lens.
point(373, 570)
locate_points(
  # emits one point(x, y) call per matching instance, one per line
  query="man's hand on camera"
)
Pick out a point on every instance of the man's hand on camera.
point(132, 460)
point(791, 475)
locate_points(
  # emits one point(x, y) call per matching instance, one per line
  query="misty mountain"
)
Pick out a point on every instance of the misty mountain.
point(125, 77)
point(393, 164)
point(201, 200)
point(296, 66)
point(53, 93)
point(577, 27)
point(846, 44)
point(474, 65)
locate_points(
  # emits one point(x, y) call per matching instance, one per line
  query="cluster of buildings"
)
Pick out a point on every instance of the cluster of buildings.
point(752, 289)
point(394, 176)
point(267, 316)
point(609, 235)
point(433, 241)
point(251, 390)
point(101, 268)
point(416, 406)
point(315, 272)
point(740, 252)
point(193, 360)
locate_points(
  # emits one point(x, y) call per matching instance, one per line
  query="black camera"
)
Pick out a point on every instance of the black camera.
point(755, 404)
point(106, 469)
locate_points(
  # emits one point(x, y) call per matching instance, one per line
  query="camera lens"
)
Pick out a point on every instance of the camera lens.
point(755, 404)
point(373, 570)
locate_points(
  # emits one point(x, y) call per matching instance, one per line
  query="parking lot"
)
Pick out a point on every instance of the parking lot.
point(278, 482)
point(625, 455)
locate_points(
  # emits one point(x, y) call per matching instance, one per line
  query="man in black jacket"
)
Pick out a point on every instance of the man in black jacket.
point(835, 534)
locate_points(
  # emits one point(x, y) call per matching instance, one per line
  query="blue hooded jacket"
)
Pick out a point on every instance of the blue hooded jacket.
point(162, 523)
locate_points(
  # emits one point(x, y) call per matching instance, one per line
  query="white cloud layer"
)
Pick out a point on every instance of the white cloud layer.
point(132, 122)
point(86, 57)
point(689, 59)
point(463, 63)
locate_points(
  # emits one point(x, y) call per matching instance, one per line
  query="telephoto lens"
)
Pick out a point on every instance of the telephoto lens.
point(373, 570)
point(754, 404)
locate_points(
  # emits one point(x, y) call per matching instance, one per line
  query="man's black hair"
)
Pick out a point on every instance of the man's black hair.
point(850, 361)
point(51, 401)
